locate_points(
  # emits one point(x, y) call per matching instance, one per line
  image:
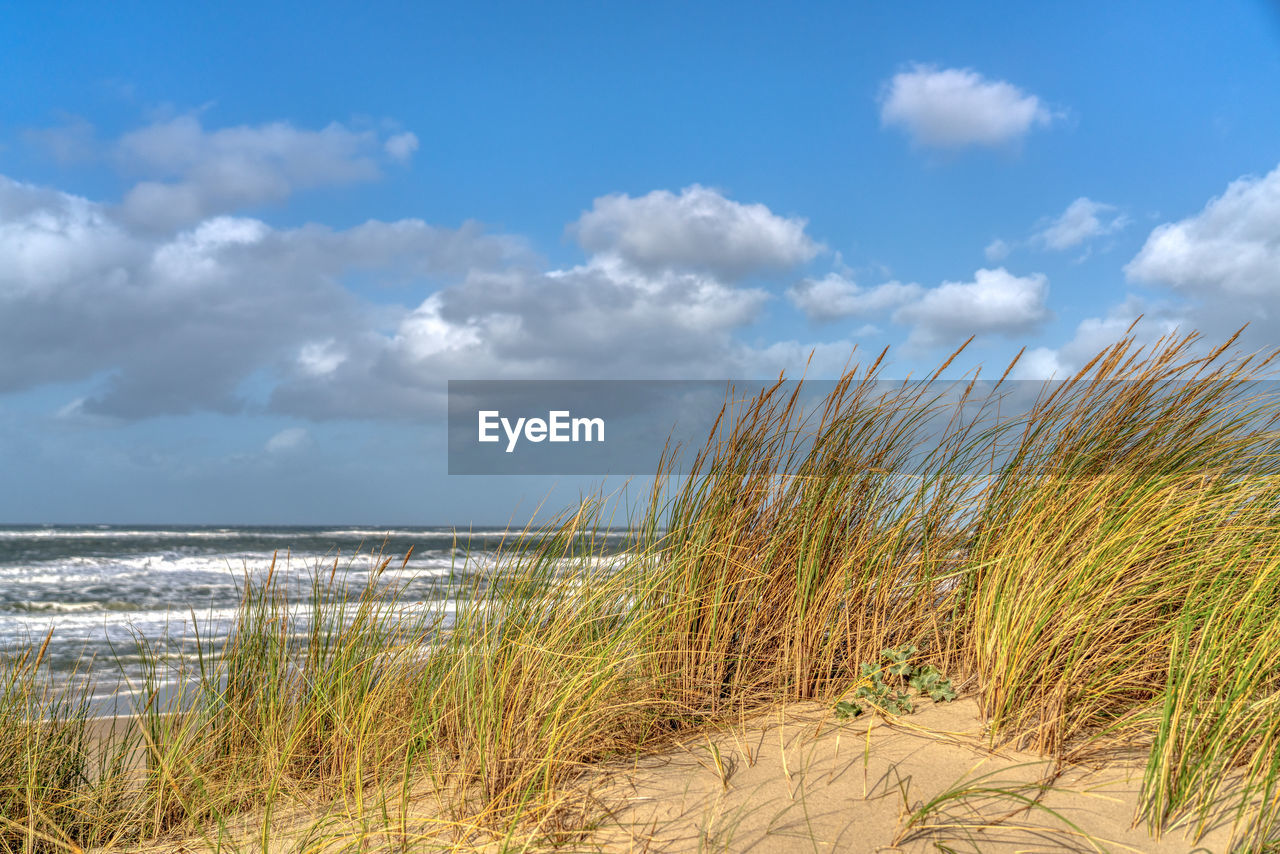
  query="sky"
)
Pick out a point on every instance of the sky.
point(244, 246)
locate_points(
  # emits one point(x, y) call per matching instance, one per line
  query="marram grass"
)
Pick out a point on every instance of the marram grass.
point(1104, 566)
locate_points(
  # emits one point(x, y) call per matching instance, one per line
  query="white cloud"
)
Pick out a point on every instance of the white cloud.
point(176, 323)
point(603, 319)
point(320, 358)
point(1222, 266)
point(193, 172)
point(1095, 334)
point(289, 439)
point(802, 358)
point(1081, 221)
point(197, 318)
point(198, 255)
point(179, 321)
point(997, 250)
point(836, 296)
point(697, 230)
point(401, 146)
point(954, 107)
point(1232, 247)
point(995, 302)
point(48, 238)
point(174, 302)
point(1040, 363)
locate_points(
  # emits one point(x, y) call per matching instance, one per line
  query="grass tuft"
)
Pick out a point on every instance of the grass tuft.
point(1105, 564)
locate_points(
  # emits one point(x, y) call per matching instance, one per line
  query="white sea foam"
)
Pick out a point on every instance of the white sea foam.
point(239, 533)
point(461, 536)
point(172, 622)
point(33, 607)
point(60, 569)
point(118, 533)
point(101, 590)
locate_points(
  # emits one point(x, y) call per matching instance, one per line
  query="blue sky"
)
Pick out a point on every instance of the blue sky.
point(242, 249)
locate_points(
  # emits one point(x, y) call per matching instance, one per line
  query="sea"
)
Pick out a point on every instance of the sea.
point(116, 596)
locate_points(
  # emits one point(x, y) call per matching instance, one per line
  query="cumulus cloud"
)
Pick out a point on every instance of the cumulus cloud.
point(806, 358)
point(192, 172)
point(1231, 247)
point(180, 321)
point(48, 238)
point(956, 107)
point(228, 312)
point(995, 302)
point(320, 358)
point(1084, 219)
point(402, 146)
point(1222, 270)
point(997, 250)
point(698, 230)
point(1144, 322)
point(836, 296)
point(170, 324)
point(602, 319)
point(289, 439)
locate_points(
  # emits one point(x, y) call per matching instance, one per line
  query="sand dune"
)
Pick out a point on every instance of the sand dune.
point(800, 780)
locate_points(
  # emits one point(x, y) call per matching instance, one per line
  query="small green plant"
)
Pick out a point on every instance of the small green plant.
point(892, 698)
point(927, 680)
point(846, 710)
point(881, 695)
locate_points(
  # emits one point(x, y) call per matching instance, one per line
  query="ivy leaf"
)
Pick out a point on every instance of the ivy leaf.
point(899, 658)
point(943, 693)
point(926, 678)
point(846, 710)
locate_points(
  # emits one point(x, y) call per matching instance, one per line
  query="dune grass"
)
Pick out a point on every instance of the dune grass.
point(1104, 565)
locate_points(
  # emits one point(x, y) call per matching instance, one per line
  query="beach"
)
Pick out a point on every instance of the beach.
point(821, 642)
point(795, 779)
point(111, 592)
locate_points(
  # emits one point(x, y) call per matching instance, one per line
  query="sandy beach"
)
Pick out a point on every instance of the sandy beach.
point(800, 780)
point(797, 779)
point(1110, 613)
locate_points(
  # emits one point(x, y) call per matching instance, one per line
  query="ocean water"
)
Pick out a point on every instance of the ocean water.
point(106, 591)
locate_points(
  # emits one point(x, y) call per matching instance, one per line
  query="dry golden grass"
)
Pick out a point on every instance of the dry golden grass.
point(1104, 567)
